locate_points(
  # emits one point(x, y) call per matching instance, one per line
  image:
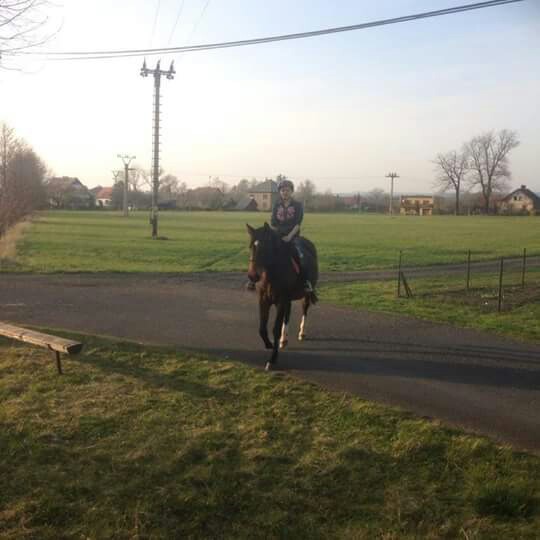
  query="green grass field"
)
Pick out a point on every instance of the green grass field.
point(217, 241)
point(136, 442)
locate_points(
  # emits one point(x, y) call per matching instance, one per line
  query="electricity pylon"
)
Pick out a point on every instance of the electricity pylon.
point(391, 175)
point(157, 73)
point(126, 160)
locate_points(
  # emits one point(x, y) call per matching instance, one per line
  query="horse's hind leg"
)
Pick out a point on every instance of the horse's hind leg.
point(264, 312)
point(305, 307)
point(284, 341)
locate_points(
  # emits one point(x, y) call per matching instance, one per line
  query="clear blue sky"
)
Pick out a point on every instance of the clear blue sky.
point(342, 110)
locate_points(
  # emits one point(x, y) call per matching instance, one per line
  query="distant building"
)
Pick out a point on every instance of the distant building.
point(521, 201)
point(204, 198)
point(265, 195)
point(351, 202)
point(104, 197)
point(246, 204)
point(69, 193)
point(416, 205)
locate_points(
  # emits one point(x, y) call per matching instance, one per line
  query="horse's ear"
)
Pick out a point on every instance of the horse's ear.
point(250, 229)
point(266, 226)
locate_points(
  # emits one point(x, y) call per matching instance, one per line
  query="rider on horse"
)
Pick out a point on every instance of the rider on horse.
point(287, 215)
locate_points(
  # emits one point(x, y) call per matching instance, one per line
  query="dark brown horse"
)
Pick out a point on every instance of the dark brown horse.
point(273, 266)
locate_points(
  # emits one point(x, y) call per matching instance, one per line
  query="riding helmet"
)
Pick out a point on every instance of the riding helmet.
point(285, 183)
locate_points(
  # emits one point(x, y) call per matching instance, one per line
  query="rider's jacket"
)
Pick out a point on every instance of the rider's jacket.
point(284, 218)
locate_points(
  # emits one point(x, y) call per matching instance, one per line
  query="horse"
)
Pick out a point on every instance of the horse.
point(274, 268)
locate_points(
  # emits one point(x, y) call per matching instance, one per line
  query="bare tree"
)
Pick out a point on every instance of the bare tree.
point(489, 162)
point(168, 185)
point(377, 200)
point(9, 145)
point(305, 192)
point(138, 178)
point(216, 182)
point(21, 179)
point(326, 202)
point(452, 168)
point(243, 186)
point(23, 25)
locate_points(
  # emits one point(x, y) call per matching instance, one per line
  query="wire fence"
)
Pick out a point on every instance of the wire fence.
point(499, 285)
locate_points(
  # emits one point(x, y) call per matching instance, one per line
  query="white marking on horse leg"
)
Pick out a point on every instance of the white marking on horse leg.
point(284, 337)
point(302, 333)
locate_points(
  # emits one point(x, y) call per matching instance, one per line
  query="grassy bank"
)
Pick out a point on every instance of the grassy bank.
point(136, 442)
point(444, 299)
point(217, 241)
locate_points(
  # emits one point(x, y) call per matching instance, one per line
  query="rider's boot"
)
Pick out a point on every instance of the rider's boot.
point(308, 287)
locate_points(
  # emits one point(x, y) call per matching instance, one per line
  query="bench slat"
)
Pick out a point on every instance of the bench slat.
point(52, 343)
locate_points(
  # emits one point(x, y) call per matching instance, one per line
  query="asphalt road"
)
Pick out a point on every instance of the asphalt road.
point(474, 380)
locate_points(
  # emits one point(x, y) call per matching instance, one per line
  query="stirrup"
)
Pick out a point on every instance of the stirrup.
point(308, 287)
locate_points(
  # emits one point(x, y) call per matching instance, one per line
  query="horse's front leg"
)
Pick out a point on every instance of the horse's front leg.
point(284, 340)
point(305, 307)
point(264, 312)
point(280, 317)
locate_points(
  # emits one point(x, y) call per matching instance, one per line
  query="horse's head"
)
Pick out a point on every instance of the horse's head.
point(263, 246)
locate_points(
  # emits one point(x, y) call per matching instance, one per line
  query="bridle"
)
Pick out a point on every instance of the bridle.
point(252, 251)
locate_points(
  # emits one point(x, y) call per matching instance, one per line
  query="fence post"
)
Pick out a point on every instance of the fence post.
point(500, 285)
point(468, 269)
point(399, 276)
point(523, 268)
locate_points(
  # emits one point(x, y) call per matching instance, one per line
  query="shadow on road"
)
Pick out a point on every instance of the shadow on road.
point(448, 365)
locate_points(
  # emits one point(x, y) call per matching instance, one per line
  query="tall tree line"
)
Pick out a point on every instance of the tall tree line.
point(22, 175)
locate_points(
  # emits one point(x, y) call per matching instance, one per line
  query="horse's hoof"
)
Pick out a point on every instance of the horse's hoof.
point(269, 345)
point(268, 366)
point(301, 337)
point(283, 344)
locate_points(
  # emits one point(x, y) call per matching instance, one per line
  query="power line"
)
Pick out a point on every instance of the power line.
point(192, 33)
point(176, 21)
point(297, 177)
point(97, 55)
point(198, 21)
point(155, 22)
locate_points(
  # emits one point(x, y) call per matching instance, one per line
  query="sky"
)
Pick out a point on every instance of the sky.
point(342, 110)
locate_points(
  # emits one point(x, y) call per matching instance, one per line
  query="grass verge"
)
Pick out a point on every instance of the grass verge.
point(444, 299)
point(136, 442)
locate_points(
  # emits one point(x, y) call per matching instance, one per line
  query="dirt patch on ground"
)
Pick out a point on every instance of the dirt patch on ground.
point(8, 242)
point(487, 298)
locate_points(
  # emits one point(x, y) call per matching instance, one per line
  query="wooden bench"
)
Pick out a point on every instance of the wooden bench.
point(55, 344)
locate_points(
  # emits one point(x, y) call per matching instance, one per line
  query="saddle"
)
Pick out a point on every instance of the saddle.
point(295, 265)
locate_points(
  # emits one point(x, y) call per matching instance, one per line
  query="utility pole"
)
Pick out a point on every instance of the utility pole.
point(391, 175)
point(116, 174)
point(126, 161)
point(157, 73)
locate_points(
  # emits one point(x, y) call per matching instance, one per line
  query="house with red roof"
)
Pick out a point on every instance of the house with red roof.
point(104, 197)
